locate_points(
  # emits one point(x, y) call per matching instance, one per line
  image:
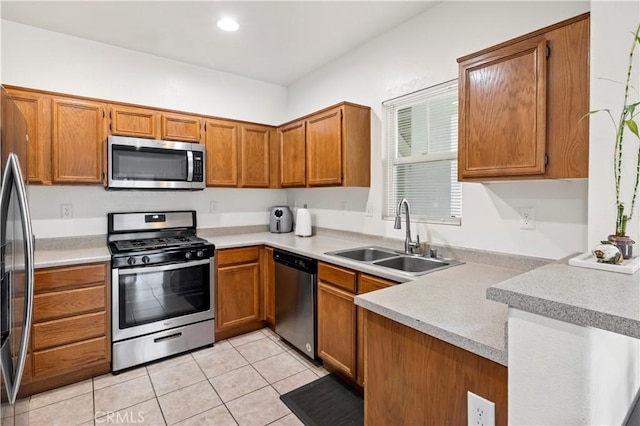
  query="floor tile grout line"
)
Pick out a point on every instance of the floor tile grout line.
point(155, 394)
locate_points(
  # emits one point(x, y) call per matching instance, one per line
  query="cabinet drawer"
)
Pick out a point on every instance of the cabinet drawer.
point(67, 303)
point(239, 255)
point(68, 330)
point(340, 277)
point(69, 357)
point(369, 283)
point(52, 279)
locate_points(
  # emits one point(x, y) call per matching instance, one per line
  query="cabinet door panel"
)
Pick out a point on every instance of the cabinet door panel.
point(36, 109)
point(221, 144)
point(184, 128)
point(79, 129)
point(337, 328)
point(237, 295)
point(292, 155)
point(269, 287)
point(255, 157)
point(324, 148)
point(503, 98)
point(137, 122)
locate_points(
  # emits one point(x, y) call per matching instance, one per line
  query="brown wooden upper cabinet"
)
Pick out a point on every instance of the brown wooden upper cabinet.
point(238, 154)
point(336, 149)
point(154, 124)
point(521, 105)
point(78, 137)
point(36, 109)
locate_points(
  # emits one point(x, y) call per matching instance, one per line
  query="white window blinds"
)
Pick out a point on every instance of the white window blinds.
point(421, 162)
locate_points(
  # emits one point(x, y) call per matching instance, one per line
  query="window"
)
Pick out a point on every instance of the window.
point(422, 159)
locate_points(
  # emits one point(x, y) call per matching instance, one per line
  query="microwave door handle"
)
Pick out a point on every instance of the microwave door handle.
point(189, 166)
point(27, 233)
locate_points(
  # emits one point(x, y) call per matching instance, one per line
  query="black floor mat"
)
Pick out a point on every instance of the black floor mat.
point(326, 402)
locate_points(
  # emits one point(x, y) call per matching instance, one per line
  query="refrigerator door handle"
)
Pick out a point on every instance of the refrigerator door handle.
point(13, 177)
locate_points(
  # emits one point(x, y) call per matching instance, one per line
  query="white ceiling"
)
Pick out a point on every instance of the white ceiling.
point(278, 41)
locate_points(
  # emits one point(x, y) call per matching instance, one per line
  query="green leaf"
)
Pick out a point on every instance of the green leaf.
point(633, 126)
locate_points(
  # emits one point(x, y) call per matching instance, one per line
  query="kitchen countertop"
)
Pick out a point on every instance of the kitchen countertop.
point(586, 297)
point(449, 304)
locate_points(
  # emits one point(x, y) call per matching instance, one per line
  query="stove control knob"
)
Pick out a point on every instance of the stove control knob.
point(145, 259)
point(131, 260)
point(199, 253)
point(187, 255)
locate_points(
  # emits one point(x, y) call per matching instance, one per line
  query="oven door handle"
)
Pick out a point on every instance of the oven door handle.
point(162, 268)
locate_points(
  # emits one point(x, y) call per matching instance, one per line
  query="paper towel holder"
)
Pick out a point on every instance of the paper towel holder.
point(303, 222)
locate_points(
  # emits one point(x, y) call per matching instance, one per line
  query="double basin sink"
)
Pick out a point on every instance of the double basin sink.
point(412, 264)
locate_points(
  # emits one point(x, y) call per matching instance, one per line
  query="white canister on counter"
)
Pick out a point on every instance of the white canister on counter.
point(303, 222)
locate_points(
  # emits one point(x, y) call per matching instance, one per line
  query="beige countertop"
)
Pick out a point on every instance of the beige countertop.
point(449, 304)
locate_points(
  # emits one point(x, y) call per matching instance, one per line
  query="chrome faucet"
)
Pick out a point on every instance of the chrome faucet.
point(409, 245)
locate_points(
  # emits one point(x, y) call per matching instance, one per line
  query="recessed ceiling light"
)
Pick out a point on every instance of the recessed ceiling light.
point(228, 24)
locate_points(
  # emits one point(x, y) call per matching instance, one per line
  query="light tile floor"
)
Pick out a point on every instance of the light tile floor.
point(237, 382)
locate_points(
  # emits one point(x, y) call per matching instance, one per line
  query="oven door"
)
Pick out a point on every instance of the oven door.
point(155, 298)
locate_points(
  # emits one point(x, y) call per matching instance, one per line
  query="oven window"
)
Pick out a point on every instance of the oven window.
point(131, 163)
point(147, 297)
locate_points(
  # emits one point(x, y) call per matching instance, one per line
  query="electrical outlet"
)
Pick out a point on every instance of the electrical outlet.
point(527, 218)
point(480, 412)
point(66, 211)
point(212, 206)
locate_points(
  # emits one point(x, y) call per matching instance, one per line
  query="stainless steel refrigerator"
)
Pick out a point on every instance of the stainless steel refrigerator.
point(16, 256)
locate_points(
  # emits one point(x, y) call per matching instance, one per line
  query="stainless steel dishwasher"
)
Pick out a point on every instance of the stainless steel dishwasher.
point(296, 300)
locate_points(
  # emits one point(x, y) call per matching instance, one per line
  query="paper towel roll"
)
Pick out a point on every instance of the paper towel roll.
point(303, 223)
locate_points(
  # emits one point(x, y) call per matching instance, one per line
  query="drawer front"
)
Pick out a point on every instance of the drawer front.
point(69, 357)
point(73, 276)
point(68, 330)
point(340, 277)
point(369, 283)
point(239, 255)
point(68, 303)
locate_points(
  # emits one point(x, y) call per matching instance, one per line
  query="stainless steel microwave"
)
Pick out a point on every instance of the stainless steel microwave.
point(135, 163)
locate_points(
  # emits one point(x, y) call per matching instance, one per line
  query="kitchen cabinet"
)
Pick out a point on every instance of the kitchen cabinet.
point(423, 380)
point(331, 147)
point(154, 124)
point(238, 291)
point(366, 283)
point(78, 137)
point(36, 109)
point(521, 106)
point(221, 142)
point(255, 143)
point(70, 338)
point(292, 148)
point(269, 283)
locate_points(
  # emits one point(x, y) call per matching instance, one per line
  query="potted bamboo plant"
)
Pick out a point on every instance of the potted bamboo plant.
point(627, 121)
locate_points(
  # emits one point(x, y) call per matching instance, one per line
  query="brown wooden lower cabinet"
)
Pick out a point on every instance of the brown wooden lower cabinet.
point(70, 336)
point(413, 378)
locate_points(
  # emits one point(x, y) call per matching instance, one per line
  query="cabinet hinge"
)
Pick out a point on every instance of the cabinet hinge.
point(548, 51)
point(341, 114)
point(341, 176)
point(546, 160)
point(205, 126)
point(103, 114)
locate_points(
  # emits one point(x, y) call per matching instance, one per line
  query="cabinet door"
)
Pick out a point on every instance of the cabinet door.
point(503, 98)
point(79, 129)
point(179, 127)
point(254, 170)
point(221, 144)
point(269, 286)
point(324, 148)
point(237, 295)
point(36, 109)
point(292, 155)
point(366, 283)
point(136, 122)
point(337, 328)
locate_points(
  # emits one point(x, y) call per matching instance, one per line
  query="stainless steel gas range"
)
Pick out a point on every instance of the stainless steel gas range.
point(162, 298)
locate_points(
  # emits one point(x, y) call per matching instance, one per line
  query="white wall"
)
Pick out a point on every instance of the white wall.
point(564, 374)
point(422, 53)
point(46, 60)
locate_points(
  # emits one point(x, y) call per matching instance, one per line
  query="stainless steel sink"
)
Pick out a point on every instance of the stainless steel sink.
point(414, 265)
point(365, 254)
